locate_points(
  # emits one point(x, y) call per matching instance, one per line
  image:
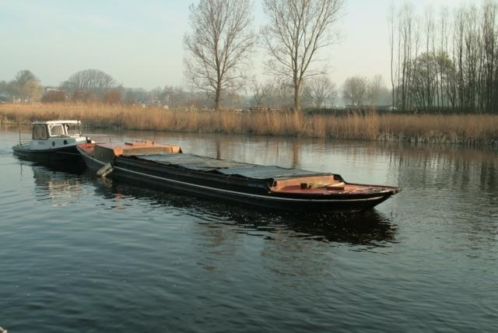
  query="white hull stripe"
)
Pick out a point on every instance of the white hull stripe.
point(244, 194)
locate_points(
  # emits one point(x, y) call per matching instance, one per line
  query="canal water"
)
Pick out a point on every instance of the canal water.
point(79, 254)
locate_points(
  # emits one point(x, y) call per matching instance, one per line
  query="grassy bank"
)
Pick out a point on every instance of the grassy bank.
point(463, 129)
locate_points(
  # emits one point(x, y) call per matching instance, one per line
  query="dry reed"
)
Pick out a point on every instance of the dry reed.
point(465, 129)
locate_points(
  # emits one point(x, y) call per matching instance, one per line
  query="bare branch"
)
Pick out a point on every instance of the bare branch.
point(219, 44)
point(297, 31)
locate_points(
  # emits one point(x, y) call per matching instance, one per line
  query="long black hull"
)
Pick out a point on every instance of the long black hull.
point(170, 179)
point(246, 198)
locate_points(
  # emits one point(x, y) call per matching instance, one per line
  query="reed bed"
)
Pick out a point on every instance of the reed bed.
point(462, 129)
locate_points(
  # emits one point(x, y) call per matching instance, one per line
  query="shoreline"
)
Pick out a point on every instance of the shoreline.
point(465, 130)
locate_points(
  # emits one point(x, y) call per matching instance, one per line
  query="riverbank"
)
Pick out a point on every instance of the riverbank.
point(458, 129)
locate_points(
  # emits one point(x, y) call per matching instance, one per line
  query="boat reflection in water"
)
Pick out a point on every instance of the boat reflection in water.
point(359, 228)
point(59, 186)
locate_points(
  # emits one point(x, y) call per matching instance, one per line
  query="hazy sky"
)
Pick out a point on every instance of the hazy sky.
point(140, 43)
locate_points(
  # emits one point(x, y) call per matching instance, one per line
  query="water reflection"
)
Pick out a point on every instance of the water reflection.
point(60, 187)
point(339, 156)
point(186, 264)
point(367, 228)
point(461, 164)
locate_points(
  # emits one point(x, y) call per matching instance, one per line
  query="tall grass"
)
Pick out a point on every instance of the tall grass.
point(465, 129)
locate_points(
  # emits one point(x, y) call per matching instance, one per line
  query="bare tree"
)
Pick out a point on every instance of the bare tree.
point(297, 31)
point(258, 94)
point(394, 67)
point(27, 86)
point(31, 91)
point(23, 77)
point(89, 82)
point(219, 43)
point(322, 91)
point(355, 90)
point(407, 32)
point(457, 67)
point(377, 92)
point(488, 55)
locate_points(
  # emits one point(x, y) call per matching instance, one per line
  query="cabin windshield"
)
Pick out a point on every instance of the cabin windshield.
point(57, 130)
point(73, 129)
point(40, 132)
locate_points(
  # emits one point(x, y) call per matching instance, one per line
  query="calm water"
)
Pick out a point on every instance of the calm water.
point(82, 255)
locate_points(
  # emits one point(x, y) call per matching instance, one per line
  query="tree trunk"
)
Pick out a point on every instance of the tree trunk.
point(297, 96)
point(217, 97)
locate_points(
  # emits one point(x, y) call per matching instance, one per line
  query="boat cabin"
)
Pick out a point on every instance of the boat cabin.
point(55, 134)
point(43, 130)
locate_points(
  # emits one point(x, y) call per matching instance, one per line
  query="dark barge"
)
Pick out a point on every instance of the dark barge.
point(167, 168)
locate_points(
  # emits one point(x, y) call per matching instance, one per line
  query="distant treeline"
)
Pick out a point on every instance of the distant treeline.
point(382, 110)
point(95, 86)
point(447, 61)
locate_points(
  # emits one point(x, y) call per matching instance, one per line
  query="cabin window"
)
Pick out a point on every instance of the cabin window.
point(57, 130)
point(73, 129)
point(40, 132)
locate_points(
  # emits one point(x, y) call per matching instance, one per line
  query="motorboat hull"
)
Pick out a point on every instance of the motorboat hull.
point(53, 143)
point(64, 157)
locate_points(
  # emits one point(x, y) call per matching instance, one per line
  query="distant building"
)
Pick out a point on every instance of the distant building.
point(54, 95)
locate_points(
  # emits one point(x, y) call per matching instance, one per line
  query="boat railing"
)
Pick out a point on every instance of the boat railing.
point(23, 138)
point(24, 141)
point(100, 138)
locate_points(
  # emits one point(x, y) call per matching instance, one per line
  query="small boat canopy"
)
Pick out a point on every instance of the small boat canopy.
point(53, 122)
point(42, 130)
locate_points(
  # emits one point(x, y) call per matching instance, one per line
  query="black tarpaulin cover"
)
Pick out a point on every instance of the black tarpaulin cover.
point(229, 168)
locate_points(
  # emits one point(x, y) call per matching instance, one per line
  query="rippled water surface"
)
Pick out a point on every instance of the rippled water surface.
point(83, 255)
